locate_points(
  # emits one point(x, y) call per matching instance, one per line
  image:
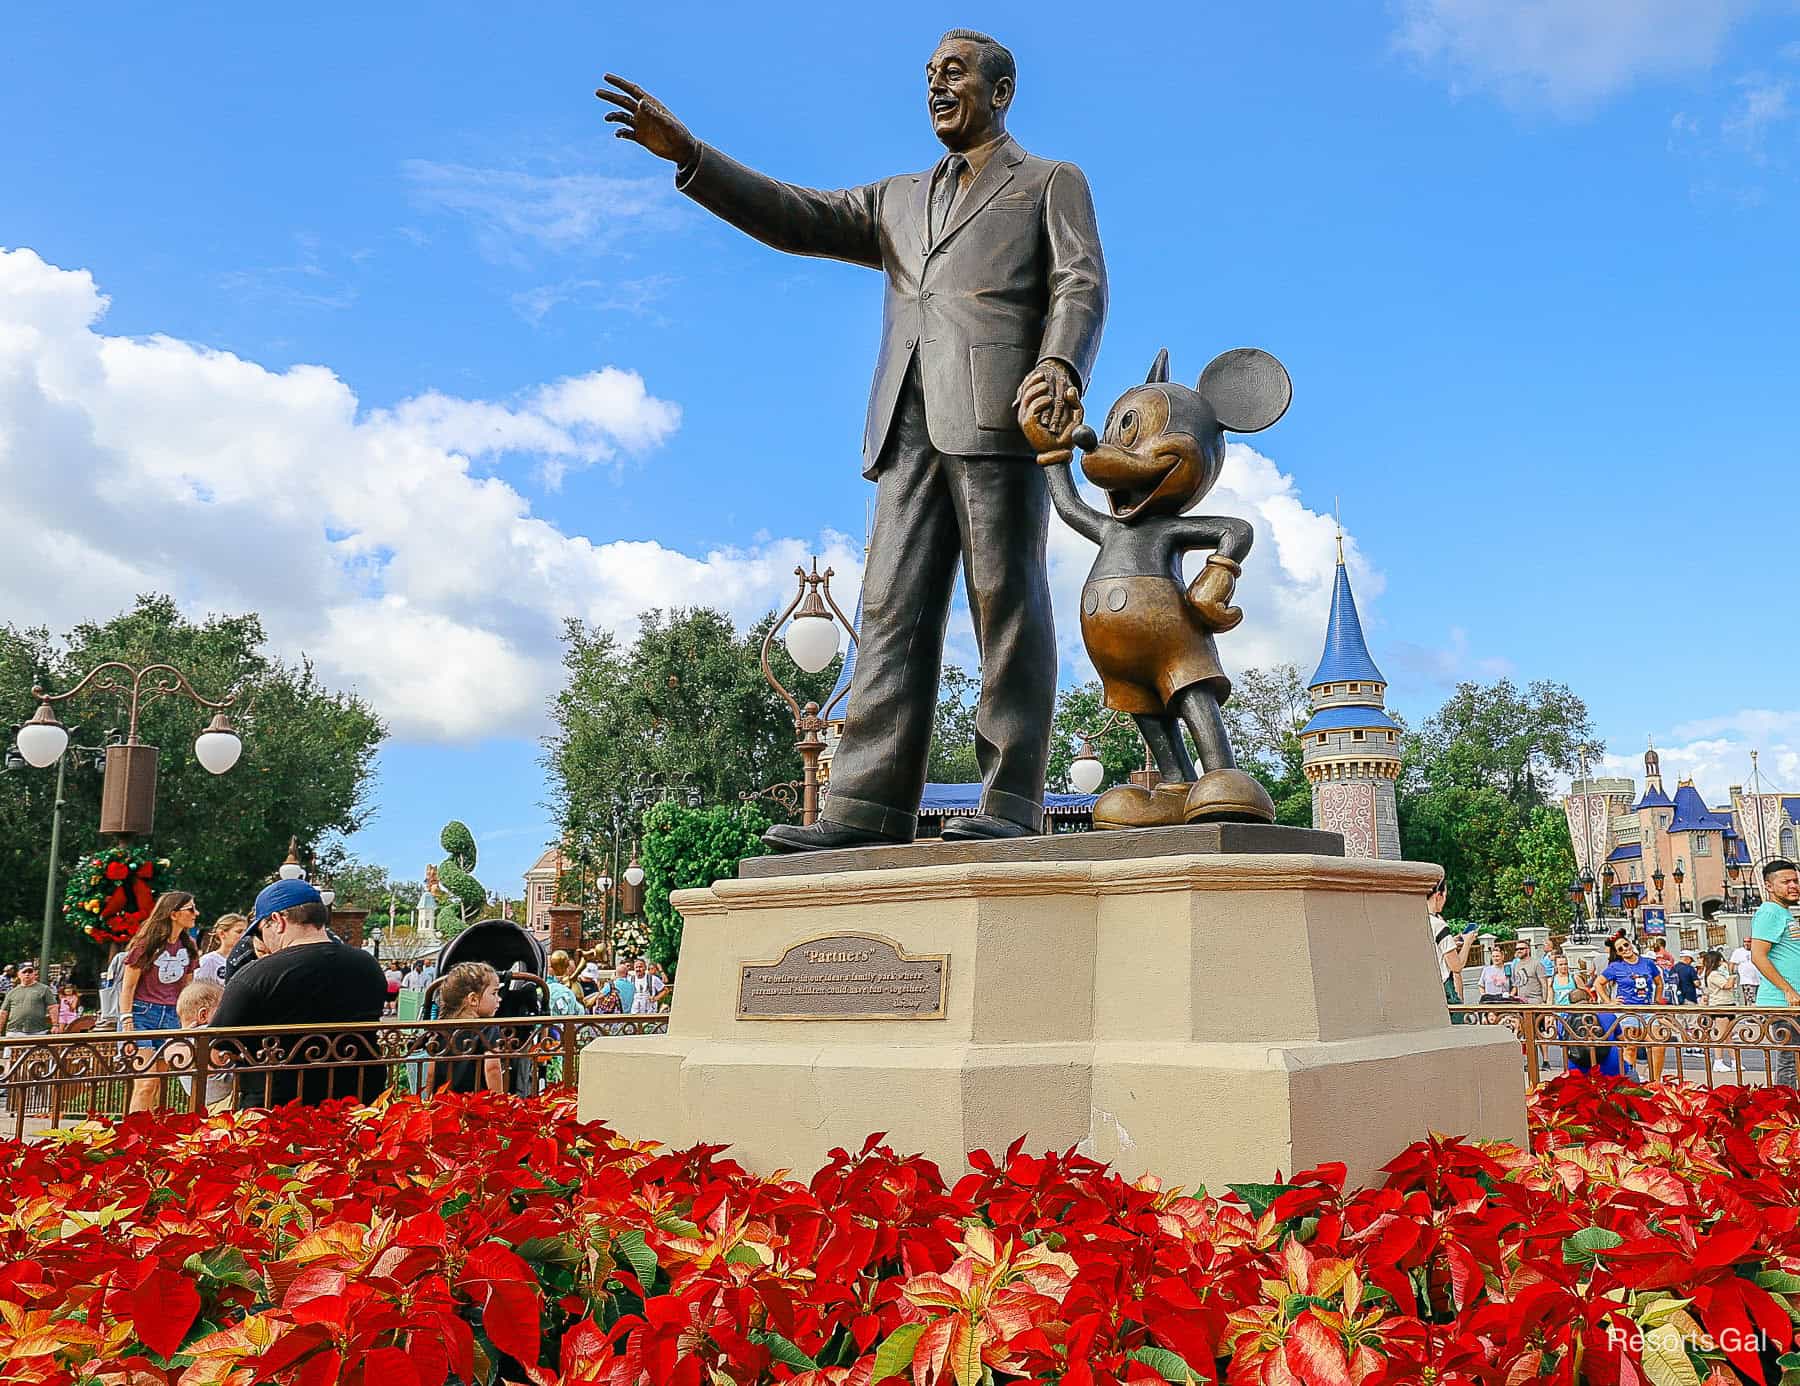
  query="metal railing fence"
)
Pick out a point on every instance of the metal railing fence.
point(1711, 1045)
point(48, 1079)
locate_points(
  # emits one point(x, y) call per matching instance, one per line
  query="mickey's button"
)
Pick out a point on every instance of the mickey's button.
point(1090, 600)
point(1115, 599)
point(925, 295)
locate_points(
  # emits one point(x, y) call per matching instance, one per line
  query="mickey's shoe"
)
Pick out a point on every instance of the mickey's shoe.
point(1228, 796)
point(1133, 806)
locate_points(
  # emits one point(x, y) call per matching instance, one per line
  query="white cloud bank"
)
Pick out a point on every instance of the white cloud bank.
point(365, 539)
point(1566, 55)
point(362, 537)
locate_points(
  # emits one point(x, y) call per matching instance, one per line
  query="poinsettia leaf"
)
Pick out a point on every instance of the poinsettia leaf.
point(1166, 1364)
point(164, 1305)
point(783, 1350)
point(503, 1285)
point(1665, 1358)
point(895, 1354)
point(636, 1253)
point(1585, 1246)
point(1259, 1198)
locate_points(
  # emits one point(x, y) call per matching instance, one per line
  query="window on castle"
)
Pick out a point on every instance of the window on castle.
point(1703, 844)
point(1321, 738)
point(1356, 688)
point(1356, 736)
point(1787, 842)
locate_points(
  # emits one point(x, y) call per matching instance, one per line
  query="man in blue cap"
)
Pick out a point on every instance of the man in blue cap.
point(305, 978)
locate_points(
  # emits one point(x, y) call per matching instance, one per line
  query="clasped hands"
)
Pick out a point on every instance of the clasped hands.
point(1049, 406)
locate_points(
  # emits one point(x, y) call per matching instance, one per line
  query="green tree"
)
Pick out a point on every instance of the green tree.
point(1472, 781)
point(305, 771)
point(684, 704)
point(1545, 855)
point(953, 729)
point(1079, 713)
point(685, 849)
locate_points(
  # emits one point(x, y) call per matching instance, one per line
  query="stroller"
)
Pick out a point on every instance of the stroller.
point(519, 959)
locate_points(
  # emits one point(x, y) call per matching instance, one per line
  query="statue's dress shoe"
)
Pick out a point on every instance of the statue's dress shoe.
point(983, 827)
point(1229, 796)
point(1133, 806)
point(825, 836)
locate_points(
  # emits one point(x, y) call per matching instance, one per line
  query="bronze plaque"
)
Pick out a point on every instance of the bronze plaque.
point(844, 977)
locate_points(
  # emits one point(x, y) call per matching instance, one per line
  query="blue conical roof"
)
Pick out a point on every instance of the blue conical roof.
point(1346, 655)
point(838, 713)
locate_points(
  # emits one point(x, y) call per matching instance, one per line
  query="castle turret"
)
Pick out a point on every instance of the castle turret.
point(1351, 747)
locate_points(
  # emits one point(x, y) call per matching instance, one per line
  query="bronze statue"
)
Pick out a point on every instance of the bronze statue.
point(1151, 640)
point(995, 283)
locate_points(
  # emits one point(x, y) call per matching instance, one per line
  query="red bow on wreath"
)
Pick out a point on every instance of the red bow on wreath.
point(117, 871)
point(147, 870)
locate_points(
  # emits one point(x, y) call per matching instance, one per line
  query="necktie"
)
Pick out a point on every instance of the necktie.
point(943, 196)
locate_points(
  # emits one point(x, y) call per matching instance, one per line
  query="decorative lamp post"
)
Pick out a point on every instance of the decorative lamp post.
point(812, 641)
point(128, 769)
point(1576, 896)
point(128, 791)
point(634, 874)
point(291, 869)
point(1656, 879)
point(1595, 904)
point(1529, 887)
point(1733, 871)
point(1607, 878)
point(1679, 875)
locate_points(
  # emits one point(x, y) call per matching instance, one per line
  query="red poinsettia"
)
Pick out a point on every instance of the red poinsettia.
point(1643, 1237)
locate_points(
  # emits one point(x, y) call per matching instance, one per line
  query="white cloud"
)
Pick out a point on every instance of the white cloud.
point(1716, 763)
point(513, 212)
point(135, 465)
point(1564, 54)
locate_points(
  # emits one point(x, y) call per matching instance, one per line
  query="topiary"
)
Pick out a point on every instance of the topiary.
point(454, 876)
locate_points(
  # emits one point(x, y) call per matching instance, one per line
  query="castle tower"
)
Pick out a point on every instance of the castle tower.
point(1351, 748)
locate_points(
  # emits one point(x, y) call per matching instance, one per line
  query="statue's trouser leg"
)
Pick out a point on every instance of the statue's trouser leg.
point(1206, 724)
point(878, 769)
point(1163, 736)
point(1003, 507)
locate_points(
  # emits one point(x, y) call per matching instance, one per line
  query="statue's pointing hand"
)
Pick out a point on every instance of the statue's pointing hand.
point(646, 121)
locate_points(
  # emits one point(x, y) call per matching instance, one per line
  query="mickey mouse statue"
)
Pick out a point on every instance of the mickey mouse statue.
point(1148, 631)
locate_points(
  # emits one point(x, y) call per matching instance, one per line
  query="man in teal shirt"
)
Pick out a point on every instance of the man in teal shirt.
point(1775, 949)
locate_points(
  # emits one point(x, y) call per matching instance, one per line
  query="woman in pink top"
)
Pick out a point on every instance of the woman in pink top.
point(159, 961)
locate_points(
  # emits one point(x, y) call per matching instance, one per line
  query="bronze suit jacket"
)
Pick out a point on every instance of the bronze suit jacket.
point(1014, 277)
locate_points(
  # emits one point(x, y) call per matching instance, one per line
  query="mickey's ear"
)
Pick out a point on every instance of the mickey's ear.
point(1159, 369)
point(1248, 389)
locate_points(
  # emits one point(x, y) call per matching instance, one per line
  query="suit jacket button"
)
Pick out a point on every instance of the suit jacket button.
point(910, 343)
point(925, 295)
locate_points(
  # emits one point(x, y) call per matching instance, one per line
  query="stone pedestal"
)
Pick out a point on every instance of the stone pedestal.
point(1208, 1015)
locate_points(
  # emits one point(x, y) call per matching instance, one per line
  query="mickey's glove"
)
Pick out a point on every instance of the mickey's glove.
point(1035, 397)
point(1212, 591)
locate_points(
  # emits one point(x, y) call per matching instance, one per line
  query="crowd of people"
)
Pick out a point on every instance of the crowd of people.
point(1631, 980)
point(281, 965)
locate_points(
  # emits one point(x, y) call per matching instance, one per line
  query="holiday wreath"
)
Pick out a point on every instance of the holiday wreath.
point(111, 892)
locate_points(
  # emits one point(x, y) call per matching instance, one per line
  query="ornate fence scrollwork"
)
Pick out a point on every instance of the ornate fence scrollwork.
point(1709, 1045)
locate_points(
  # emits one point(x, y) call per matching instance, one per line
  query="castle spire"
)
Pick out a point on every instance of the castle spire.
point(1346, 655)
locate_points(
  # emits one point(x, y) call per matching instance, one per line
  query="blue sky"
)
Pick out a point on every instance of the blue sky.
point(387, 305)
